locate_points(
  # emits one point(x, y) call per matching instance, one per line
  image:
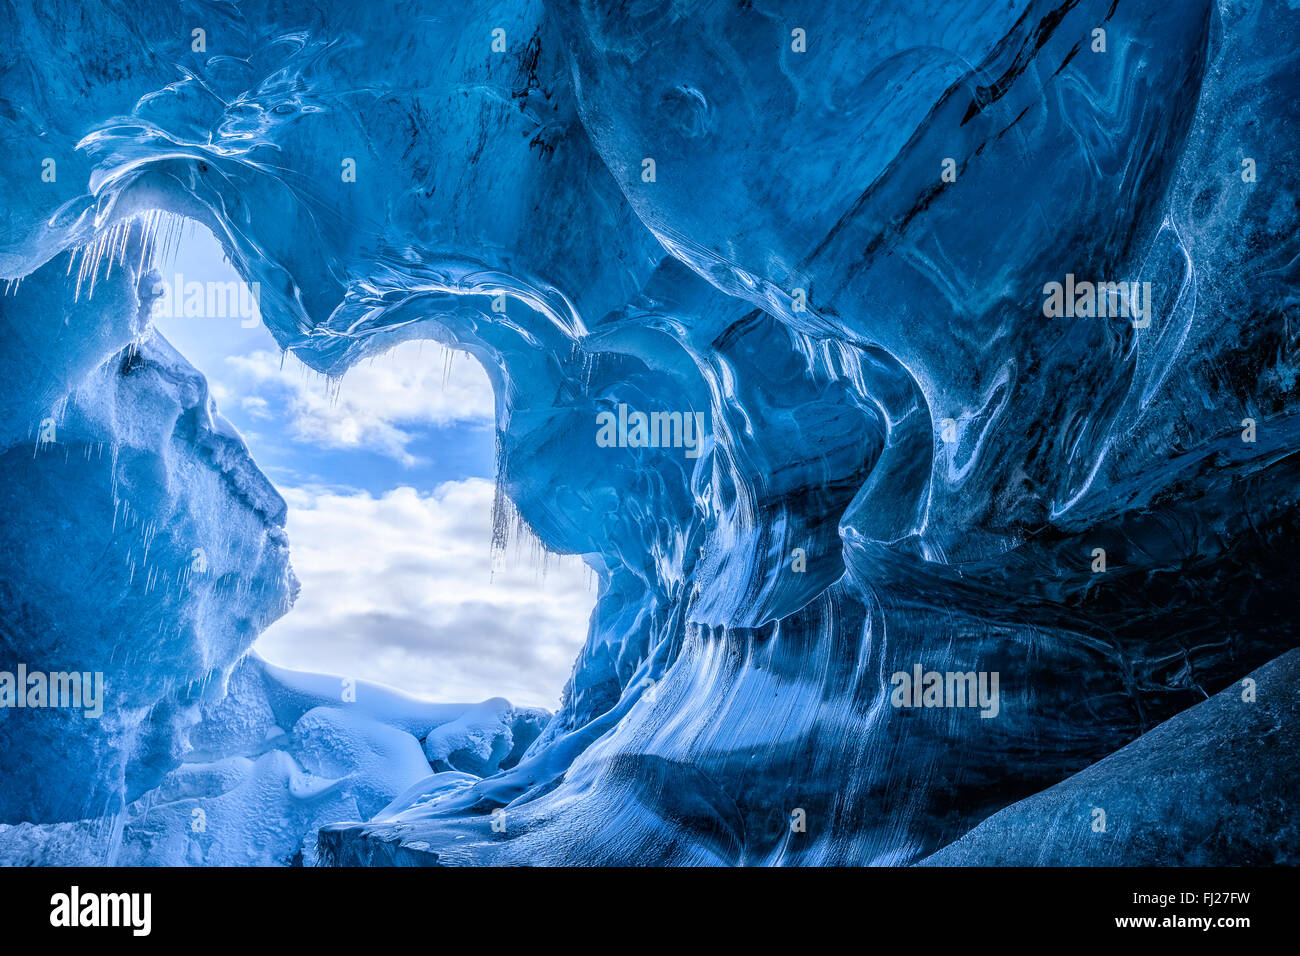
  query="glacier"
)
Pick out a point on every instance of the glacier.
point(827, 229)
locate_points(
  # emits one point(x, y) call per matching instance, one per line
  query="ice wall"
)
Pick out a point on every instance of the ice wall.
point(828, 230)
point(141, 543)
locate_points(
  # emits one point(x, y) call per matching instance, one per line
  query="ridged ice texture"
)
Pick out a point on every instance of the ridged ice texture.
point(721, 689)
point(140, 541)
point(276, 757)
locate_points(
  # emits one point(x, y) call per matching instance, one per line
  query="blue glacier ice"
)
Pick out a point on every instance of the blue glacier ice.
point(828, 229)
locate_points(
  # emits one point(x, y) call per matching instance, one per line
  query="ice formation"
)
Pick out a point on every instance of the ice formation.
point(274, 757)
point(826, 229)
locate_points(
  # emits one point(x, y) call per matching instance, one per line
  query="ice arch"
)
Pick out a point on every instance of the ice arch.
point(389, 473)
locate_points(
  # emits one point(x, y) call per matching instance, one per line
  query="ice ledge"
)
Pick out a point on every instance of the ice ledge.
point(1202, 789)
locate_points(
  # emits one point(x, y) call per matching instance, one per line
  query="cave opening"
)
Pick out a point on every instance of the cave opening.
point(389, 475)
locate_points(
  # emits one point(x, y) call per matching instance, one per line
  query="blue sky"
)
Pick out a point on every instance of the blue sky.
point(389, 480)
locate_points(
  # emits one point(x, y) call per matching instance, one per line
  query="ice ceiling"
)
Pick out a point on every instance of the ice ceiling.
point(828, 228)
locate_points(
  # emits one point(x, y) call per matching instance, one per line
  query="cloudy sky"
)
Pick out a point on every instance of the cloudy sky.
point(389, 481)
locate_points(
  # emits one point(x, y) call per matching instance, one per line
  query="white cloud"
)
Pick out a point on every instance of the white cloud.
point(256, 406)
point(376, 403)
point(400, 589)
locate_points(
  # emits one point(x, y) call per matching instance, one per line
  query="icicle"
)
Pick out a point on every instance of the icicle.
point(115, 837)
point(448, 361)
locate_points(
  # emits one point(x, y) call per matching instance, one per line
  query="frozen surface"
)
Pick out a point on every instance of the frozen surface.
point(140, 543)
point(1205, 788)
point(883, 394)
point(276, 757)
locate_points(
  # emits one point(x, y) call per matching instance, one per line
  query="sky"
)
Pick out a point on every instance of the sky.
point(389, 479)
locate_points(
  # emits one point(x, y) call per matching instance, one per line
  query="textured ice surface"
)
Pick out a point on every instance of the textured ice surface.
point(273, 759)
point(1211, 786)
point(866, 339)
point(140, 542)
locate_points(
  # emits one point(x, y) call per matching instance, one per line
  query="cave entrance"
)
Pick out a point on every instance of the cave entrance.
point(389, 476)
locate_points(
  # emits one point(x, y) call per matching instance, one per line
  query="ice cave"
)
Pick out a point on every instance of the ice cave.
point(916, 381)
